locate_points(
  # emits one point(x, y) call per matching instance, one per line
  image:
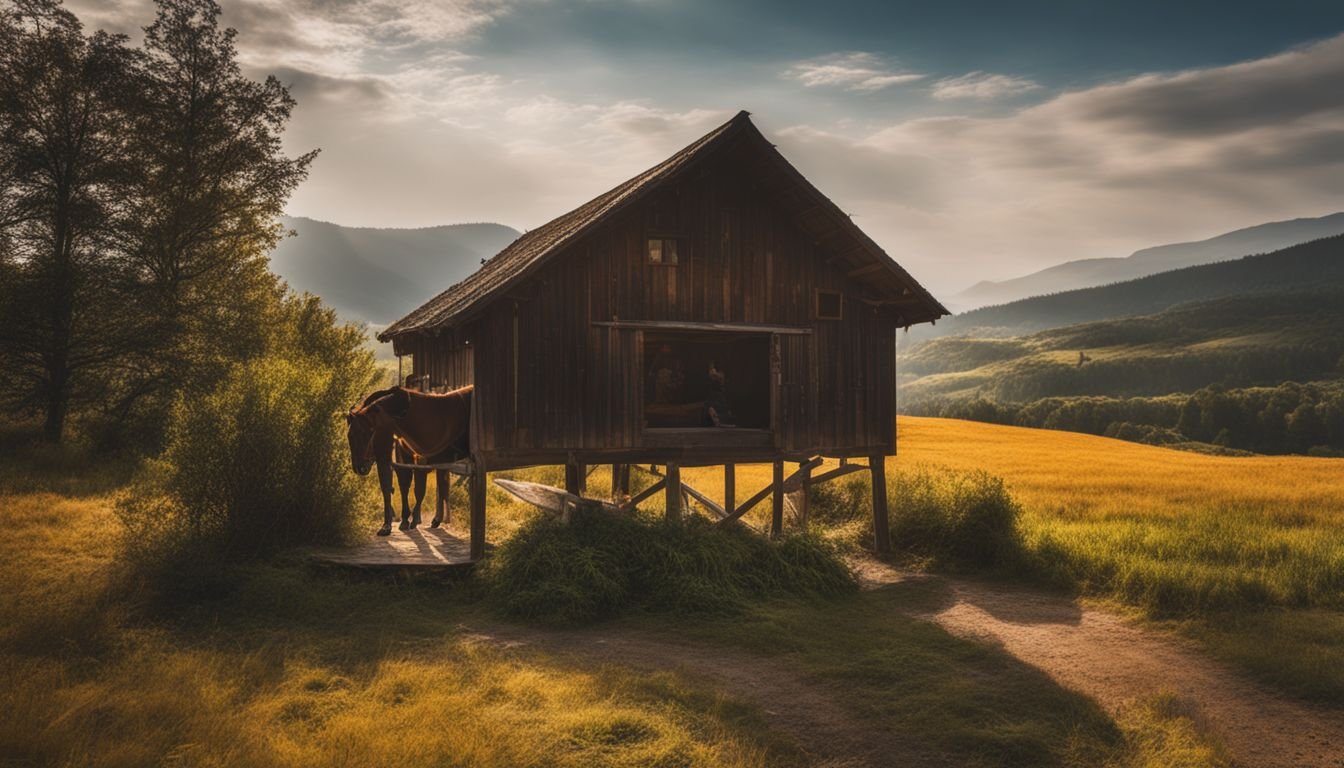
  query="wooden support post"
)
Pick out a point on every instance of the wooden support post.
point(730, 487)
point(477, 491)
point(806, 470)
point(625, 480)
point(777, 501)
point(674, 500)
point(443, 485)
point(576, 478)
point(881, 526)
point(616, 472)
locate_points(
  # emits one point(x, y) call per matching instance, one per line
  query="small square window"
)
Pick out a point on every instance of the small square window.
point(662, 250)
point(829, 305)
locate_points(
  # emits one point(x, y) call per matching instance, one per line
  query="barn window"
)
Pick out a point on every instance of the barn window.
point(829, 305)
point(697, 380)
point(663, 250)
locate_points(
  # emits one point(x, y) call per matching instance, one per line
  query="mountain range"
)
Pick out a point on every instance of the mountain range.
point(1090, 272)
point(1305, 264)
point(378, 275)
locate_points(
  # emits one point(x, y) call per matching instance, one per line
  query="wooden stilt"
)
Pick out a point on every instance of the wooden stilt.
point(443, 486)
point(805, 469)
point(674, 500)
point(881, 525)
point(730, 487)
point(616, 472)
point(576, 478)
point(625, 480)
point(777, 502)
point(476, 488)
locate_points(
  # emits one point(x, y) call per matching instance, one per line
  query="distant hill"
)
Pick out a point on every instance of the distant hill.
point(378, 275)
point(1091, 272)
point(1316, 262)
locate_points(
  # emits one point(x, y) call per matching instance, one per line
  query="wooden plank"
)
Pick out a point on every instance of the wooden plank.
point(685, 325)
point(777, 501)
point(806, 482)
point(729, 488)
point(644, 494)
point(881, 525)
point(673, 508)
point(550, 499)
point(476, 491)
point(840, 471)
point(689, 490)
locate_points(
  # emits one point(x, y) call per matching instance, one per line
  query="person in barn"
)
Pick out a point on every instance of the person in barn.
point(717, 411)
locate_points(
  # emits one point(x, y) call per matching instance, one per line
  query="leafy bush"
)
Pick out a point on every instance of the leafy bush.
point(600, 565)
point(954, 517)
point(261, 462)
point(942, 516)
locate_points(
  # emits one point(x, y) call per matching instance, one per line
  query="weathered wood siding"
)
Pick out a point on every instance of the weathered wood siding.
point(549, 378)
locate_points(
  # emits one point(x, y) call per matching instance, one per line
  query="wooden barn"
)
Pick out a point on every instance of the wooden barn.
point(715, 309)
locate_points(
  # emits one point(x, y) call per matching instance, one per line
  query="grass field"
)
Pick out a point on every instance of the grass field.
point(1245, 554)
point(288, 667)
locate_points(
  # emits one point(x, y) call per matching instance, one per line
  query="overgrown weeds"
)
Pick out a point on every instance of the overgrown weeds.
point(599, 565)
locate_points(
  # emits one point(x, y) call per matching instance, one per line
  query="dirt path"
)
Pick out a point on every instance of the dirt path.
point(808, 712)
point(1112, 661)
point(1096, 653)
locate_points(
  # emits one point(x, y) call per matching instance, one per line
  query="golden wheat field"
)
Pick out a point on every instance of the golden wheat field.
point(1076, 475)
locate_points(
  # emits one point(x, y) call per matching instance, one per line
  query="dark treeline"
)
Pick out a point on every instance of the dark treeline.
point(140, 188)
point(1288, 418)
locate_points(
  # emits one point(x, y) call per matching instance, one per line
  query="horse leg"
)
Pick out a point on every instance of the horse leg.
point(404, 480)
point(442, 487)
point(385, 482)
point(420, 478)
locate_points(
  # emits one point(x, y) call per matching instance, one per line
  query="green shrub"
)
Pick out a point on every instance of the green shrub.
point(955, 518)
point(599, 565)
point(261, 462)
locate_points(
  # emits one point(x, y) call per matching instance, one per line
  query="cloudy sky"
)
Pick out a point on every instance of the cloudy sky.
point(972, 140)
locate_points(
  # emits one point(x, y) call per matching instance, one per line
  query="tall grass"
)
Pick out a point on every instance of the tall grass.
point(601, 564)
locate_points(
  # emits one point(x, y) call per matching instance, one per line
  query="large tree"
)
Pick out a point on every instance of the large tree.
point(65, 170)
point(140, 191)
point(214, 180)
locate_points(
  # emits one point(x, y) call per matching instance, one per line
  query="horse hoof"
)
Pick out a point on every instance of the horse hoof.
point(436, 522)
point(404, 526)
point(385, 531)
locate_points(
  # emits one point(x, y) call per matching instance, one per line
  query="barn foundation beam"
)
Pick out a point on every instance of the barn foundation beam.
point(881, 525)
point(730, 488)
point(576, 478)
point(476, 490)
point(673, 492)
point(777, 501)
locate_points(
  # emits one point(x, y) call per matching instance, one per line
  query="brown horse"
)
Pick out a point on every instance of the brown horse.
point(418, 428)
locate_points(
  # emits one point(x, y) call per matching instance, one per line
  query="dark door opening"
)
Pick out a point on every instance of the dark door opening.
point(706, 380)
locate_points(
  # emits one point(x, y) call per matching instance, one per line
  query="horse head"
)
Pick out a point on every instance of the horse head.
point(369, 431)
point(361, 432)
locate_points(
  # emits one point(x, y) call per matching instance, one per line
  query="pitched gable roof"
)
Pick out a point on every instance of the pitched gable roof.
point(871, 264)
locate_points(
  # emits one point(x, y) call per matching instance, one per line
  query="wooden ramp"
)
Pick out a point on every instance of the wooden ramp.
point(420, 548)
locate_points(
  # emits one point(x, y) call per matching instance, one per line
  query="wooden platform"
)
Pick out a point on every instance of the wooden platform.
point(421, 548)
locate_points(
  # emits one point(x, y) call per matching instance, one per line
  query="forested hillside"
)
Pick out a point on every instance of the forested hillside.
point(1312, 263)
point(1259, 371)
point(378, 275)
point(1085, 273)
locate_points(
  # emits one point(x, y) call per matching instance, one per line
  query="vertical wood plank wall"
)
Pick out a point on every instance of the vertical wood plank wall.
point(580, 386)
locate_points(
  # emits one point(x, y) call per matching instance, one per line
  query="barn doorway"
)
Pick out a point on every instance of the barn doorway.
point(707, 380)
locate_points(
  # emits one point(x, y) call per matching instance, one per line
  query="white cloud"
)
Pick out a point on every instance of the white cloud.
point(981, 85)
point(858, 71)
point(1095, 172)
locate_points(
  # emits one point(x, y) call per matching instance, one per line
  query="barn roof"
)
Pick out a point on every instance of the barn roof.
point(862, 258)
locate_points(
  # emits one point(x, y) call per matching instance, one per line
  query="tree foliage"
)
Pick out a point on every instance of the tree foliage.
point(141, 189)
